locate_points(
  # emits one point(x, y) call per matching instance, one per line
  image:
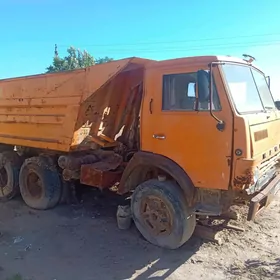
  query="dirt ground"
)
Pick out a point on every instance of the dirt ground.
point(84, 243)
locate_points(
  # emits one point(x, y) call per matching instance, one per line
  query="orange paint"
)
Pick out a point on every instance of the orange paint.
point(60, 111)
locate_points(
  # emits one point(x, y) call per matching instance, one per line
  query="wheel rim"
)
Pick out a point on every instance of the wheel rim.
point(34, 185)
point(156, 216)
point(3, 179)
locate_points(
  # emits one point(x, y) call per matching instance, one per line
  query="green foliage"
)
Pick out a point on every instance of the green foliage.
point(103, 60)
point(15, 277)
point(75, 59)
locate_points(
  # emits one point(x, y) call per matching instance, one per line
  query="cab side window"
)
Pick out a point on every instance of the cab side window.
point(179, 94)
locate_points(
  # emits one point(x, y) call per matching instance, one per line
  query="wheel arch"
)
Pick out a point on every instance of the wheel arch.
point(142, 162)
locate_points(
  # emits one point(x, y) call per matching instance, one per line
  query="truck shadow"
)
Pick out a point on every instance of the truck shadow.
point(118, 254)
point(81, 242)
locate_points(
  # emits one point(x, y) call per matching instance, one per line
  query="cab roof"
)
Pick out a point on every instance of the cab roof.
point(198, 60)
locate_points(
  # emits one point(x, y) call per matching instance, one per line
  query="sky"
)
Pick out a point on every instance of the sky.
point(150, 29)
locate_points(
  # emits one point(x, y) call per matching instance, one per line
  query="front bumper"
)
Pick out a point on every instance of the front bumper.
point(263, 198)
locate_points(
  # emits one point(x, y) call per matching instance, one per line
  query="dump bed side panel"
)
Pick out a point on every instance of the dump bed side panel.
point(41, 111)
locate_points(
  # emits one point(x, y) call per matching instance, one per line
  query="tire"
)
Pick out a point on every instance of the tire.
point(166, 196)
point(9, 175)
point(39, 182)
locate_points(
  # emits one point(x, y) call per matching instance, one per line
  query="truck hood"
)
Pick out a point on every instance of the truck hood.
point(265, 134)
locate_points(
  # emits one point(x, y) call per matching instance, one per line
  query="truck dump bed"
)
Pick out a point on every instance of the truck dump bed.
point(60, 111)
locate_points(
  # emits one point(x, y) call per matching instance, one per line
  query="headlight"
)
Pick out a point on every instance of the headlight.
point(254, 184)
point(256, 175)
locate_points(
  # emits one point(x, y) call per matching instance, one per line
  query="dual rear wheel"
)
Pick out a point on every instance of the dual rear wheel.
point(10, 164)
point(36, 179)
point(39, 182)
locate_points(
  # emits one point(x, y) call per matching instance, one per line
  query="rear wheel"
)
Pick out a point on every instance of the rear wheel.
point(40, 184)
point(161, 214)
point(9, 175)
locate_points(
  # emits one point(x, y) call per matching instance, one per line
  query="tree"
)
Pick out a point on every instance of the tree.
point(74, 60)
point(103, 60)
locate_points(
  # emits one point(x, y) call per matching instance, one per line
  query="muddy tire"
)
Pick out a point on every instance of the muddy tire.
point(39, 182)
point(10, 163)
point(161, 214)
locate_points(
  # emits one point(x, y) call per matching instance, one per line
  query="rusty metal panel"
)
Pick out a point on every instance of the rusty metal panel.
point(113, 111)
point(92, 176)
point(54, 111)
point(104, 173)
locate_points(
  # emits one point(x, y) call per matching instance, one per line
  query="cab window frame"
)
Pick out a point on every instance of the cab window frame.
point(167, 80)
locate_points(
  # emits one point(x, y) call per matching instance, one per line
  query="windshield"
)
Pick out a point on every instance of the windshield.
point(248, 88)
point(263, 89)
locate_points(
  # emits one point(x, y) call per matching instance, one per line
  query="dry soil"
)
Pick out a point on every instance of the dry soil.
point(84, 243)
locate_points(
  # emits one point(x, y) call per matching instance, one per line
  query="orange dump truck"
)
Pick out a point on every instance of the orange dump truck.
point(183, 138)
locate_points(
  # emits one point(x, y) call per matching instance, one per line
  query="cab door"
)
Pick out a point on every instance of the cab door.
point(174, 125)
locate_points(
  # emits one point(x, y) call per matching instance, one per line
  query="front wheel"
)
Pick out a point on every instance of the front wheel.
point(161, 214)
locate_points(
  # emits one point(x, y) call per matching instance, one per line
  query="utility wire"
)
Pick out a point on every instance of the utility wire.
point(195, 48)
point(182, 41)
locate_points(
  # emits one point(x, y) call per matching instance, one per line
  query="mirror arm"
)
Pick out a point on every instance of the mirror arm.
point(196, 99)
point(220, 124)
point(268, 81)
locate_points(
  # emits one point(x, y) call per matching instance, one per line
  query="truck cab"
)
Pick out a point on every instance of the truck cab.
point(215, 117)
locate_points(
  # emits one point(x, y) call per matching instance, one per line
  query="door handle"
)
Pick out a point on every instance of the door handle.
point(161, 137)
point(151, 102)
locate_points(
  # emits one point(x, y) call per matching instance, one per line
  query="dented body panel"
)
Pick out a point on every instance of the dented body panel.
point(58, 111)
point(258, 137)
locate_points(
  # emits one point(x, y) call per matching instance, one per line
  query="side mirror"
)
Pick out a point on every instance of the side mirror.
point(268, 81)
point(277, 104)
point(203, 85)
